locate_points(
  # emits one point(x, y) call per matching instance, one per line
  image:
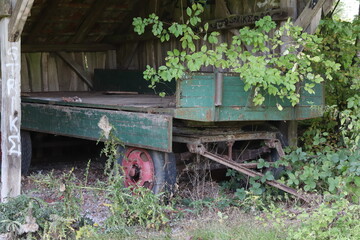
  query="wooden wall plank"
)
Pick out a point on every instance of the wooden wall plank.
point(44, 71)
point(53, 73)
point(35, 72)
point(84, 75)
point(25, 80)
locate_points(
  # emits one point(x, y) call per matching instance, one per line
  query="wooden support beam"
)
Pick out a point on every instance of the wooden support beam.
point(291, 131)
point(10, 114)
point(5, 8)
point(96, 47)
point(237, 21)
point(46, 13)
point(85, 76)
point(18, 19)
point(308, 14)
point(94, 13)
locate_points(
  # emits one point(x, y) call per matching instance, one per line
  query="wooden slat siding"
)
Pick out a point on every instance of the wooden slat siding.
point(44, 71)
point(94, 12)
point(20, 13)
point(82, 73)
point(53, 75)
point(10, 108)
point(60, 65)
point(25, 81)
point(81, 86)
point(73, 77)
point(150, 131)
point(34, 64)
point(111, 61)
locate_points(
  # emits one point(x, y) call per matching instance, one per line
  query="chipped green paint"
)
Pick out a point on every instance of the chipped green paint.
point(152, 131)
point(196, 98)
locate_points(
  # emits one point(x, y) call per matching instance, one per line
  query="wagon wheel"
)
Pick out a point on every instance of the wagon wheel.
point(148, 168)
point(26, 152)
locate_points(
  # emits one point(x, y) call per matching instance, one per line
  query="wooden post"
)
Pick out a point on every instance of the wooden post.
point(10, 32)
point(10, 114)
point(292, 135)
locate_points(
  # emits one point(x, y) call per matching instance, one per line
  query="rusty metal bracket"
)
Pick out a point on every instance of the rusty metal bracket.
point(201, 150)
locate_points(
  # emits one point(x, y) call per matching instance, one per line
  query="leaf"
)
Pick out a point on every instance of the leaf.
point(189, 12)
point(206, 27)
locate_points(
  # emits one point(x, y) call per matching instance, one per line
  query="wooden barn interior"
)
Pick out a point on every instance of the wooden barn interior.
point(63, 41)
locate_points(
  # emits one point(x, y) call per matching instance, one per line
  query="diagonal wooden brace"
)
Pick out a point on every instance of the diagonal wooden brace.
point(200, 149)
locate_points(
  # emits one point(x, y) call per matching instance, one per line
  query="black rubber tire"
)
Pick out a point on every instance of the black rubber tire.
point(277, 172)
point(26, 152)
point(165, 169)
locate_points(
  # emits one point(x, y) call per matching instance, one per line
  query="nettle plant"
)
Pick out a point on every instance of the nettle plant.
point(255, 54)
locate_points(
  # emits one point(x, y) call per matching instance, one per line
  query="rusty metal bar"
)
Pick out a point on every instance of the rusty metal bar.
point(244, 136)
point(200, 149)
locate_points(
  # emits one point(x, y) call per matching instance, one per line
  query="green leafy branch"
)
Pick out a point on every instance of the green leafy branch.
point(264, 68)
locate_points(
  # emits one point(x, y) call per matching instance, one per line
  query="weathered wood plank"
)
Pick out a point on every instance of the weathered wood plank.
point(11, 112)
point(18, 18)
point(77, 68)
point(237, 21)
point(34, 67)
point(53, 73)
point(44, 71)
point(25, 80)
point(198, 92)
point(152, 131)
point(95, 47)
point(5, 8)
point(308, 14)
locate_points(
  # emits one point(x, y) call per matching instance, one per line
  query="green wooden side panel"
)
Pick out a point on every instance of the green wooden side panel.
point(196, 97)
point(152, 131)
point(196, 92)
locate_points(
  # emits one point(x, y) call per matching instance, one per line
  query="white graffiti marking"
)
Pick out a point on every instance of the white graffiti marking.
point(15, 146)
point(14, 131)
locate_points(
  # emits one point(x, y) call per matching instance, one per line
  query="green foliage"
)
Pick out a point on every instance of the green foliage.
point(334, 172)
point(264, 69)
point(341, 44)
point(137, 206)
point(337, 220)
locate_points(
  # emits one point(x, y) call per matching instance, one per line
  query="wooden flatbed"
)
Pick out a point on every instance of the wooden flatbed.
point(138, 120)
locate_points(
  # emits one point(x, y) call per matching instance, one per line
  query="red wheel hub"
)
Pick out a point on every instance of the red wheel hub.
point(138, 168)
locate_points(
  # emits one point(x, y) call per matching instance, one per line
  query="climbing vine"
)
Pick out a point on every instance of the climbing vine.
point(268, 63)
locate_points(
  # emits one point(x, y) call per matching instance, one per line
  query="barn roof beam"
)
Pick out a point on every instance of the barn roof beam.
point(311, 15)
point(93, 14)
point(18, 19)
point(74, 47)
point(46, 13)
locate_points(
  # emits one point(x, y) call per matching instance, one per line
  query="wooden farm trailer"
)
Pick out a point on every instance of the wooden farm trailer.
point(72, 47)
